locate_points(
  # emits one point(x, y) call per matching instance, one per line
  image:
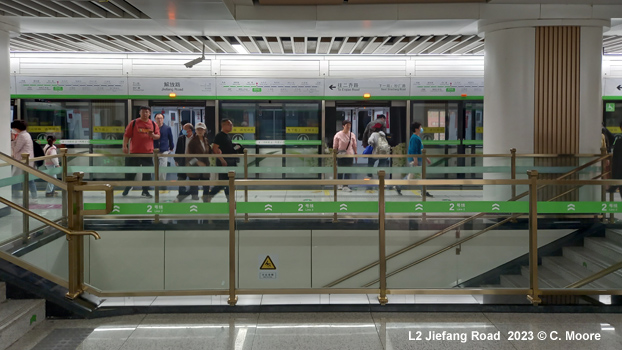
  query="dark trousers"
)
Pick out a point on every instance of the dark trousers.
point(382, 163)
point(194, 190)
point(182, 189)
point(344, 162)
point(214, 191)
point(138, 162)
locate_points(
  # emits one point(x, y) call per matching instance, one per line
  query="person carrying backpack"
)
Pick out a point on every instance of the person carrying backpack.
point(378, 140)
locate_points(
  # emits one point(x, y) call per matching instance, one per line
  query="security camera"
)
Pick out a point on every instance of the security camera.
point(194, 61)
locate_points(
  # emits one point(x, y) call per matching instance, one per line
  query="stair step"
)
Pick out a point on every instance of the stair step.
point(17, 317)
point(593, 261)
point(2, 292)
point(571, 271)
point(614, 235)
point(546, 278)
point(514, 281)
point(605, 247)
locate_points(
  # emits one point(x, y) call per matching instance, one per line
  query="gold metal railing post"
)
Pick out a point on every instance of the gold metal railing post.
point(25, 199)
point(245, 178)
point(611, 218)
point(75, 242)
point(513, 175)
point(424, 189)
point(335, 178)
point(533, 238)
point(156, 189)
point(603, 190)
point(382, 258)
point(63, 154)
point(233, 299)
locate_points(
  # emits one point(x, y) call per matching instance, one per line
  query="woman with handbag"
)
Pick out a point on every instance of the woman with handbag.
point(345, 143)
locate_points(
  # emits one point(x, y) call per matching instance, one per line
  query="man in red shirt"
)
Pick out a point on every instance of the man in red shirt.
point(140, 134)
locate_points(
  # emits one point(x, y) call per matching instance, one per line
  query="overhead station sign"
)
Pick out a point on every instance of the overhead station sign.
point(70, 86)
point(180, 86)
point(613, 87)
point(261, 87)
point(374, 87)
point(447, 86)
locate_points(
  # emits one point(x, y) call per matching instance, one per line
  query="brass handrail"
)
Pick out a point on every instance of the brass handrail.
point(47, 221)
point(450, 228)
point(600, 274)
point(457, 243)
point(30, 170)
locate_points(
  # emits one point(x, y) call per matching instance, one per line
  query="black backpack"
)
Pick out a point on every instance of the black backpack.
point(38, 152)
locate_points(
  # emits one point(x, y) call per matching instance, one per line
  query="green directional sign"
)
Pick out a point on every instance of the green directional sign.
point(578, 207)
point(307, 207)
point(456, 207)
point(610, 107)
point(162, 208)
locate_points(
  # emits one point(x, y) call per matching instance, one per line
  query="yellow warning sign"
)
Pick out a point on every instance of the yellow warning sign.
point(37, 128)
point(479, 130)
point(614, 129)
point(434, 130)
point(243, 130)
point(109, 129)
point(267, 264)
point(301, 130)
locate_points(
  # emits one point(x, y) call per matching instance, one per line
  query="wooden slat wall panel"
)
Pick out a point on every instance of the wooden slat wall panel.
point(556, 114)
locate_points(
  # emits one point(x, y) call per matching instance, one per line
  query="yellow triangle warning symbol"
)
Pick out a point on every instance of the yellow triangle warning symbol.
point(267, 264)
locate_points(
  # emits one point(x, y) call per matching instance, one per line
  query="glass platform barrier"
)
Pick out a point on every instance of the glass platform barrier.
point(380, 236)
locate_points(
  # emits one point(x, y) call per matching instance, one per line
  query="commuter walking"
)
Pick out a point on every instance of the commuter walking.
point(164, 144)
point(345, 143)
point(187, 133)
point(415, 146)
point(222, 145)
point(140, 134)
point(21, 142)
point(369, 129)
point(50, 164)
point(378, 140)
point(199, 145)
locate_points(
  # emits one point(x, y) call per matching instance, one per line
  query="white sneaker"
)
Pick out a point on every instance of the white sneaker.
point(346, 189)
point(340, 187)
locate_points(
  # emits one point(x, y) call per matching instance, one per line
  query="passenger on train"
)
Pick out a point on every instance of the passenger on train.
point(223, 145)
point(382, 120)
point(345, 143)
point(50, 150)
point(616, 163)
point(140, 134)
point(199, 145)
point(21, 142)
point(164, 144)
point(187, 133)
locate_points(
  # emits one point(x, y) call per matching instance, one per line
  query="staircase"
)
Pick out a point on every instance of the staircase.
point(17, 317)
point(575, 264)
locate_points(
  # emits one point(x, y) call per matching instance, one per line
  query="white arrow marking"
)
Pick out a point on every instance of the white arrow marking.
point(116, 209)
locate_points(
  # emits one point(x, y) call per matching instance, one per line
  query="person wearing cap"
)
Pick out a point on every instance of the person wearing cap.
point(140, 134)
point(378, 140)
point(199, 145)
point(369, 129)
point(164, 144)
point(187, 134)
point(345, 143)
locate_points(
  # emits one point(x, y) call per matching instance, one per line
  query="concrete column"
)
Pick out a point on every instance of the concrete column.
point(510, 79)
point(6, 30)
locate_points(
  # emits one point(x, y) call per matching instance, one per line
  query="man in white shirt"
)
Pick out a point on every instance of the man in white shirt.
point(345, 143)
